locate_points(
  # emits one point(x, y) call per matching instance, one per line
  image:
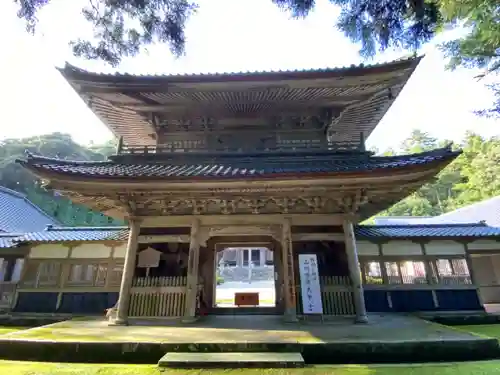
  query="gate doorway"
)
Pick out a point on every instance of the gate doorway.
point(245, 280)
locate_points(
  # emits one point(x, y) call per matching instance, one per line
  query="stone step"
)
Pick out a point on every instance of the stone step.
point(231, 360)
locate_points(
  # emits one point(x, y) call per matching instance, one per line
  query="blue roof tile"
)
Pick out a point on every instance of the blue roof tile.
point(7, 240)
point(370, 232)
point(478, 230)
point(19, 215)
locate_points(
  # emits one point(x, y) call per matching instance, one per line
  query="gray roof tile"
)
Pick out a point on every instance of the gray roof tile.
point(75, 234)
point(19, 215)
point(237, 166)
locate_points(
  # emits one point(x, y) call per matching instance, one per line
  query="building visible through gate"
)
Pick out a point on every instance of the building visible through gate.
point(274, 158)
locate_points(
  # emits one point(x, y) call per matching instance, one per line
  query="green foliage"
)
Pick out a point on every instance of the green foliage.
point(471, 178)
point(59, 145)
point(122, 28)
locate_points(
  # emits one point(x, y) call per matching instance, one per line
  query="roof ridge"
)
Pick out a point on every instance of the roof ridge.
point(74, 68)
point(69, 229)
point(34, 157)
point(437, 151)
point(425, 225)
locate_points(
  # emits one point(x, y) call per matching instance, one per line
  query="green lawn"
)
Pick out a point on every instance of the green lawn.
point(36, 368)
point(490, 330)
point(4, 330)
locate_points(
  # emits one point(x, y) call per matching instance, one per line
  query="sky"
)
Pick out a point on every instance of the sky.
point(224, 36)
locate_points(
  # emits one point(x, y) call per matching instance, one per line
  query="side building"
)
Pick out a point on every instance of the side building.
point(410, 268)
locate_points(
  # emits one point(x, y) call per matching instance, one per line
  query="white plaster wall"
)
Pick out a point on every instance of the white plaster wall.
point(120, 251)
point(444, 247)
point(401, 248)
point(484, 245)
point(91, 251)
point(49, 251)
point(367, 248)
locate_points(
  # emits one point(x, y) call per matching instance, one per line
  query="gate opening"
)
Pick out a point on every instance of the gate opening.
point(245, 277)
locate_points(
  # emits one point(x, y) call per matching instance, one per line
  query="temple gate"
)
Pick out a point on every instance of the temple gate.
point(277, 157)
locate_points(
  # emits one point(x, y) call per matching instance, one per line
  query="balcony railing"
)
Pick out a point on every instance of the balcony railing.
point(196, 147)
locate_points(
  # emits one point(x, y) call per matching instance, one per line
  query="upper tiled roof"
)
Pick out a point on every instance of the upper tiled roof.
point(18, 214)
point(427, 230)
point(75, 234)
point(286, 73)
point(237, 166)
point(125, 102)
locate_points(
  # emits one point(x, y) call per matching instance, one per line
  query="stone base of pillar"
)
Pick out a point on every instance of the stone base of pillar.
point(189, 319)
point(361, 319)
point(290, 316)
point(118, 322)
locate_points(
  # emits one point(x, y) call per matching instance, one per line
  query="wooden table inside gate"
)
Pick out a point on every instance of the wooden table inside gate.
point(246, 299)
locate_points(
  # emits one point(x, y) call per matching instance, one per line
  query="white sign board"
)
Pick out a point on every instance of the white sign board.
point(309, 284)
point(149, 258)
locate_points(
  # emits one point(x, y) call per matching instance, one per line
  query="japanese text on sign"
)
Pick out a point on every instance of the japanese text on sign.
point(309, 284)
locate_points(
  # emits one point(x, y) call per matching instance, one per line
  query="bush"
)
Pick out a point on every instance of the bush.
point(220, 280)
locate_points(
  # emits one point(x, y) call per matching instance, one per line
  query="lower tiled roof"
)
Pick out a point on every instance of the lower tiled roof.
point(62, 234)
point(7, 240)
point(367, 232)
point(478, 230)
point(236, 166)
point(18, 214)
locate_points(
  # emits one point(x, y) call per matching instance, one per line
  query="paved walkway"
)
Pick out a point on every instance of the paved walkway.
point(267, 295)
point(247, 329)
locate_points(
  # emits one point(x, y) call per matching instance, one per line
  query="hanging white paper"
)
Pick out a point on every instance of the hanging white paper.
point(309, 284)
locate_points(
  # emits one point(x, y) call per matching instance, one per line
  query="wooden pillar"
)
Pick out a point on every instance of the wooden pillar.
point(128, 272)
point(192, 273)
point(354, 271)
point(288, 273)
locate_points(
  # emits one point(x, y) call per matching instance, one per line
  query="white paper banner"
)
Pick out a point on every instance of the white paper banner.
point(309, 284)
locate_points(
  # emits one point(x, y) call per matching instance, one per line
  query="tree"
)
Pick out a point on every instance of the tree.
point(471, 178)
point(123, 27)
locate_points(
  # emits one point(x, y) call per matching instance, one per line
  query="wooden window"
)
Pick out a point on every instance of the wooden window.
point(17, 270)
point(30, 274)
point(48, 274)
point(413, 272)
point(115, 274)
point(4, 264)
point(393, 273)
point(372, 272)
point(452, 271)
point(93, 274)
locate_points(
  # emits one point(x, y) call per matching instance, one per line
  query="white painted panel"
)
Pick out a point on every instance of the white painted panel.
point(401, 248)
point(367, 248)
point(91, 251)
point(120, 251)
point(484, 245)
point(444, 247)
point(49, 251)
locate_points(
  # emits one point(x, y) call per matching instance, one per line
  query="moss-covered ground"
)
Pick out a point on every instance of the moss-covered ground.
point(38, 368)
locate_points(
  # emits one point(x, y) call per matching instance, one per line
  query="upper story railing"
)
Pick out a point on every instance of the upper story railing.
point(194, 146)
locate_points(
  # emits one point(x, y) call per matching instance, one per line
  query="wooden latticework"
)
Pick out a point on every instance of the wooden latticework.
point(336, 296)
